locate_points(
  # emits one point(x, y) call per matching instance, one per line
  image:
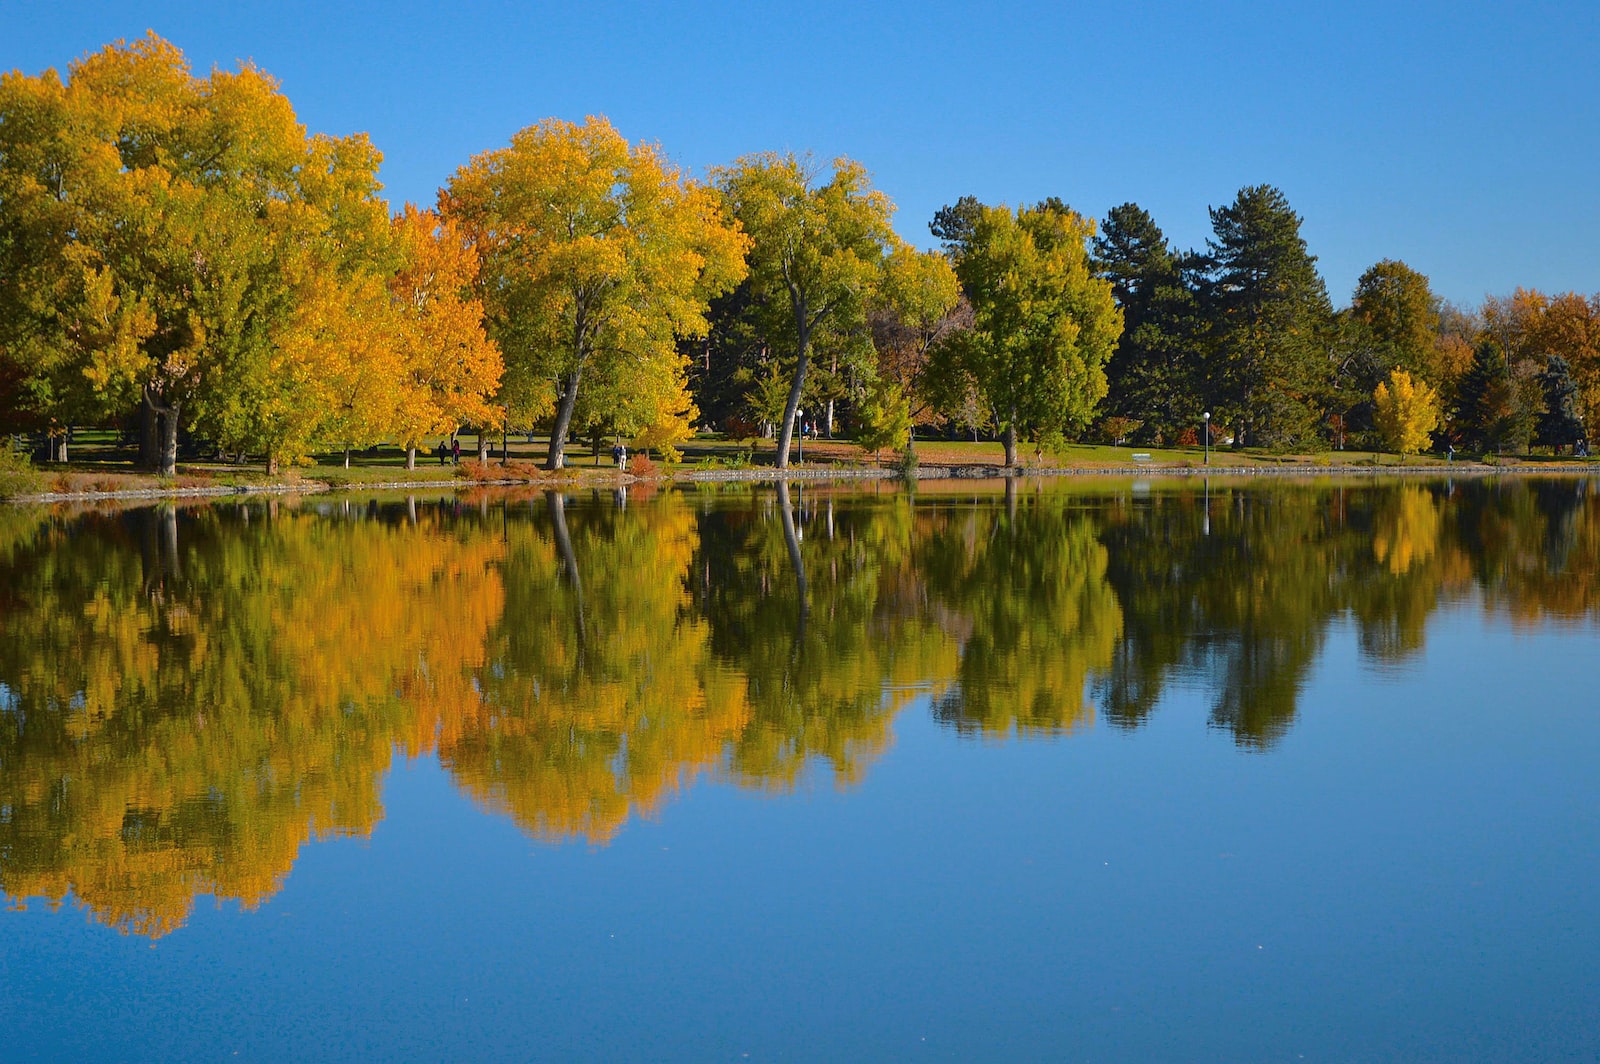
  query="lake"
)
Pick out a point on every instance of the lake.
point(1083, 769)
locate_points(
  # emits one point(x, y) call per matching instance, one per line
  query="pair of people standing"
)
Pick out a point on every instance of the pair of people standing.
point(454, 451)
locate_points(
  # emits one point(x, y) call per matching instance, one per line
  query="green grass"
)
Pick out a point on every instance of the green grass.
point(100, 461)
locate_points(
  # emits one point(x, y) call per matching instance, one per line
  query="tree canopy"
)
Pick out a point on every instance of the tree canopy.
point(817, 252)
point(1043, 326)
point(596, 255)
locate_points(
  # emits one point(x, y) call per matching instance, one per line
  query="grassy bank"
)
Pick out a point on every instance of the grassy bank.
point(101, 465)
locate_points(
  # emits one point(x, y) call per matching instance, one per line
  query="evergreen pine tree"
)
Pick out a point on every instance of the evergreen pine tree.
point(1270, 314)
point(1154, 372)
point(1497, 405)
point(1560, 424)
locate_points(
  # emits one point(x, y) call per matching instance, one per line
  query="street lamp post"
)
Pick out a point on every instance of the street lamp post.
point(1205, 427)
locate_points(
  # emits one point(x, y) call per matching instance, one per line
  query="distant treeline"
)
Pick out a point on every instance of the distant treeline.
point(179, 257)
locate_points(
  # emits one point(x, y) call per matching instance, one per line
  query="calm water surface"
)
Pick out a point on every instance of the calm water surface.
point(1087, 771)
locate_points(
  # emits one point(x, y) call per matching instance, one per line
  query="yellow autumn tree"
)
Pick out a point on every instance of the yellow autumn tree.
point(1407, 412)
point(664, 413)
point(598, 256)
point(451, 369)
point(168, 224)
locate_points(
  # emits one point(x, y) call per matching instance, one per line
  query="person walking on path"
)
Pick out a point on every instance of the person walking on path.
point(455, 450)
point(440, 451)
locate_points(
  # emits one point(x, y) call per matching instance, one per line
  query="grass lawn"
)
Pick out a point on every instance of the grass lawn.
point(101, 460)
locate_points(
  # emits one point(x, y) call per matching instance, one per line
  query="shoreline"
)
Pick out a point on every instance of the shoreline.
point(595, 478)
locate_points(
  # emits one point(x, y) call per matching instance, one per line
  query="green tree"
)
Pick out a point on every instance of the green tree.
point(56, 302)
point(918, 306)
point(1393, 322)
point(953, 224)
point(816, 255)
point(1270, 315)
point(1154, 375)
point(1561, 423)
point(884, 417)
point(1401, 314)
point(1497, 405)
point(1043, 324)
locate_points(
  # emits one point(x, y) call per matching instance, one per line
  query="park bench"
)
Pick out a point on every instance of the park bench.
point(1142, 457)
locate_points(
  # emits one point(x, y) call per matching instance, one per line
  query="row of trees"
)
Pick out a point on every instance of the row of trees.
point(177, 252)
point(1245, 329)
point(191, 694)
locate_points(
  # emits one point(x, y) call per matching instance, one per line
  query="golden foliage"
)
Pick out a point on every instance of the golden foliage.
point(1407, 412)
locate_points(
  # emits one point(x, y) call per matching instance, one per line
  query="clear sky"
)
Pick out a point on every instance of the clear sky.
point(1463, 138)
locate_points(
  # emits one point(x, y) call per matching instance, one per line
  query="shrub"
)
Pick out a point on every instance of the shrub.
point(640, 466)
point(17, 475)
point(516, 469)
point(1116, 430)
point(907, 463)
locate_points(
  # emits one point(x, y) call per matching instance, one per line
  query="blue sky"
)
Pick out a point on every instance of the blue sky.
point(1463, 138)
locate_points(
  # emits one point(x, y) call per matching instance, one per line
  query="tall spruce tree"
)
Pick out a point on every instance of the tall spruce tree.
point(1560, 425)
point(1497, 404)
point(1270, 316)
point(1154, 374)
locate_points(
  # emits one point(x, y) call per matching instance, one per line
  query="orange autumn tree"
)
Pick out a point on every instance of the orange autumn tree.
point(343, 344)
point(1569, 328)
point(450, 369)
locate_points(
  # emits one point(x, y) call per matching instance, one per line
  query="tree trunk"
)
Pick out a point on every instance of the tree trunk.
point(791, 539)
point(169, 540)
point(411, 458)
point(830, 419)
point(483, 447)
point(272, 464)
point(786, 429)
point(158, 434)
point(169, 440)
point(149, 433)
point(569, 560)
point(558, 433)
point(347, 456)
point(1010, 438)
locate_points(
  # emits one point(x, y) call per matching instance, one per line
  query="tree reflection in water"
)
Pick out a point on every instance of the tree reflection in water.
point(189, 694)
